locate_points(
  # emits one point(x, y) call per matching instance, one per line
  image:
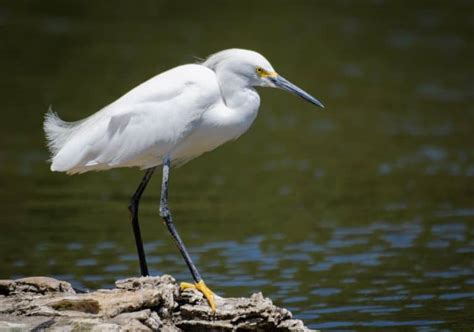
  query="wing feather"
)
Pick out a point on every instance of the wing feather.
point(143, 126)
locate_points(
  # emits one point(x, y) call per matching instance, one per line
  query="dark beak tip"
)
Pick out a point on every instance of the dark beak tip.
point(319, 104)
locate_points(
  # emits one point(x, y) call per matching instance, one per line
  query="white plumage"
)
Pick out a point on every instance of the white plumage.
point(180, 114)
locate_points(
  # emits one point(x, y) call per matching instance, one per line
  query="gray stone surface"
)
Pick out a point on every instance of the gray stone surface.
point(136, 304)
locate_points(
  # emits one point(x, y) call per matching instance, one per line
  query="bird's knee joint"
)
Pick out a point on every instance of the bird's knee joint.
point(165, 212)
point(132, 206)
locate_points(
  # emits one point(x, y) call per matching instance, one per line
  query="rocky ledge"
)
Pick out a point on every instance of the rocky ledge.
point(136, 304)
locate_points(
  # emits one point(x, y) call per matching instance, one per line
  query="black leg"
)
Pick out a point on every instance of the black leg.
point(166, 215)
point(133, 208)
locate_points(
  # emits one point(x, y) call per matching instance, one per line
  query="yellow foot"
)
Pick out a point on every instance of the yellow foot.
point(201, 286)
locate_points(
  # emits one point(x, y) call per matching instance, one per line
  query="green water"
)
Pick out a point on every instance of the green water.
point(356, 217)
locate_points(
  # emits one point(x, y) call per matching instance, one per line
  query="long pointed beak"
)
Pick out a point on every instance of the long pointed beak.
point(284, 84)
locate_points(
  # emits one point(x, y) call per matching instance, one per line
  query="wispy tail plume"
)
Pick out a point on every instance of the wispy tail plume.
point(57, 131)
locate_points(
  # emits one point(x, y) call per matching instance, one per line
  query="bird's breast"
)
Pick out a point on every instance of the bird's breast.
point(218, 125)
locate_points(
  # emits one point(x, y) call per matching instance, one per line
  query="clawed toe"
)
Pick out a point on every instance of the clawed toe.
point(201, 286)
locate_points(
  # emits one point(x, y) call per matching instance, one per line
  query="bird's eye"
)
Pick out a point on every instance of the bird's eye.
point(259, 70)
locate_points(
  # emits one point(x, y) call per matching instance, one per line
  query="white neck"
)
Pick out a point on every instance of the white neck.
point(236, 91)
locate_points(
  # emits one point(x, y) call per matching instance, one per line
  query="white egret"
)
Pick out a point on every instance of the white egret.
point(168, 120)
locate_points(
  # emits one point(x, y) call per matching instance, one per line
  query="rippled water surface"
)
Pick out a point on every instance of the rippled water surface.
point(356, 217)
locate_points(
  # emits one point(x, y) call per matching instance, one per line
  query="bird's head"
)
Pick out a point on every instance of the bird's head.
point(255, 70)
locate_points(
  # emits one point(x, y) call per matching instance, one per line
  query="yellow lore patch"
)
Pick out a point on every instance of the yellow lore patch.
point(263, 73)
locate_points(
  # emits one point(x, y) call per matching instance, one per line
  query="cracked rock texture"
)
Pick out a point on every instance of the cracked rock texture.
point(136, 304)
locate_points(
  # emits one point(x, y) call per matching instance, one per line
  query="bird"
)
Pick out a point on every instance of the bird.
point(167, 121)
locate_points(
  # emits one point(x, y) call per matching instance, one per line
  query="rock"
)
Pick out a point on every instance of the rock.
point(40, 285)
point(136, 304)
